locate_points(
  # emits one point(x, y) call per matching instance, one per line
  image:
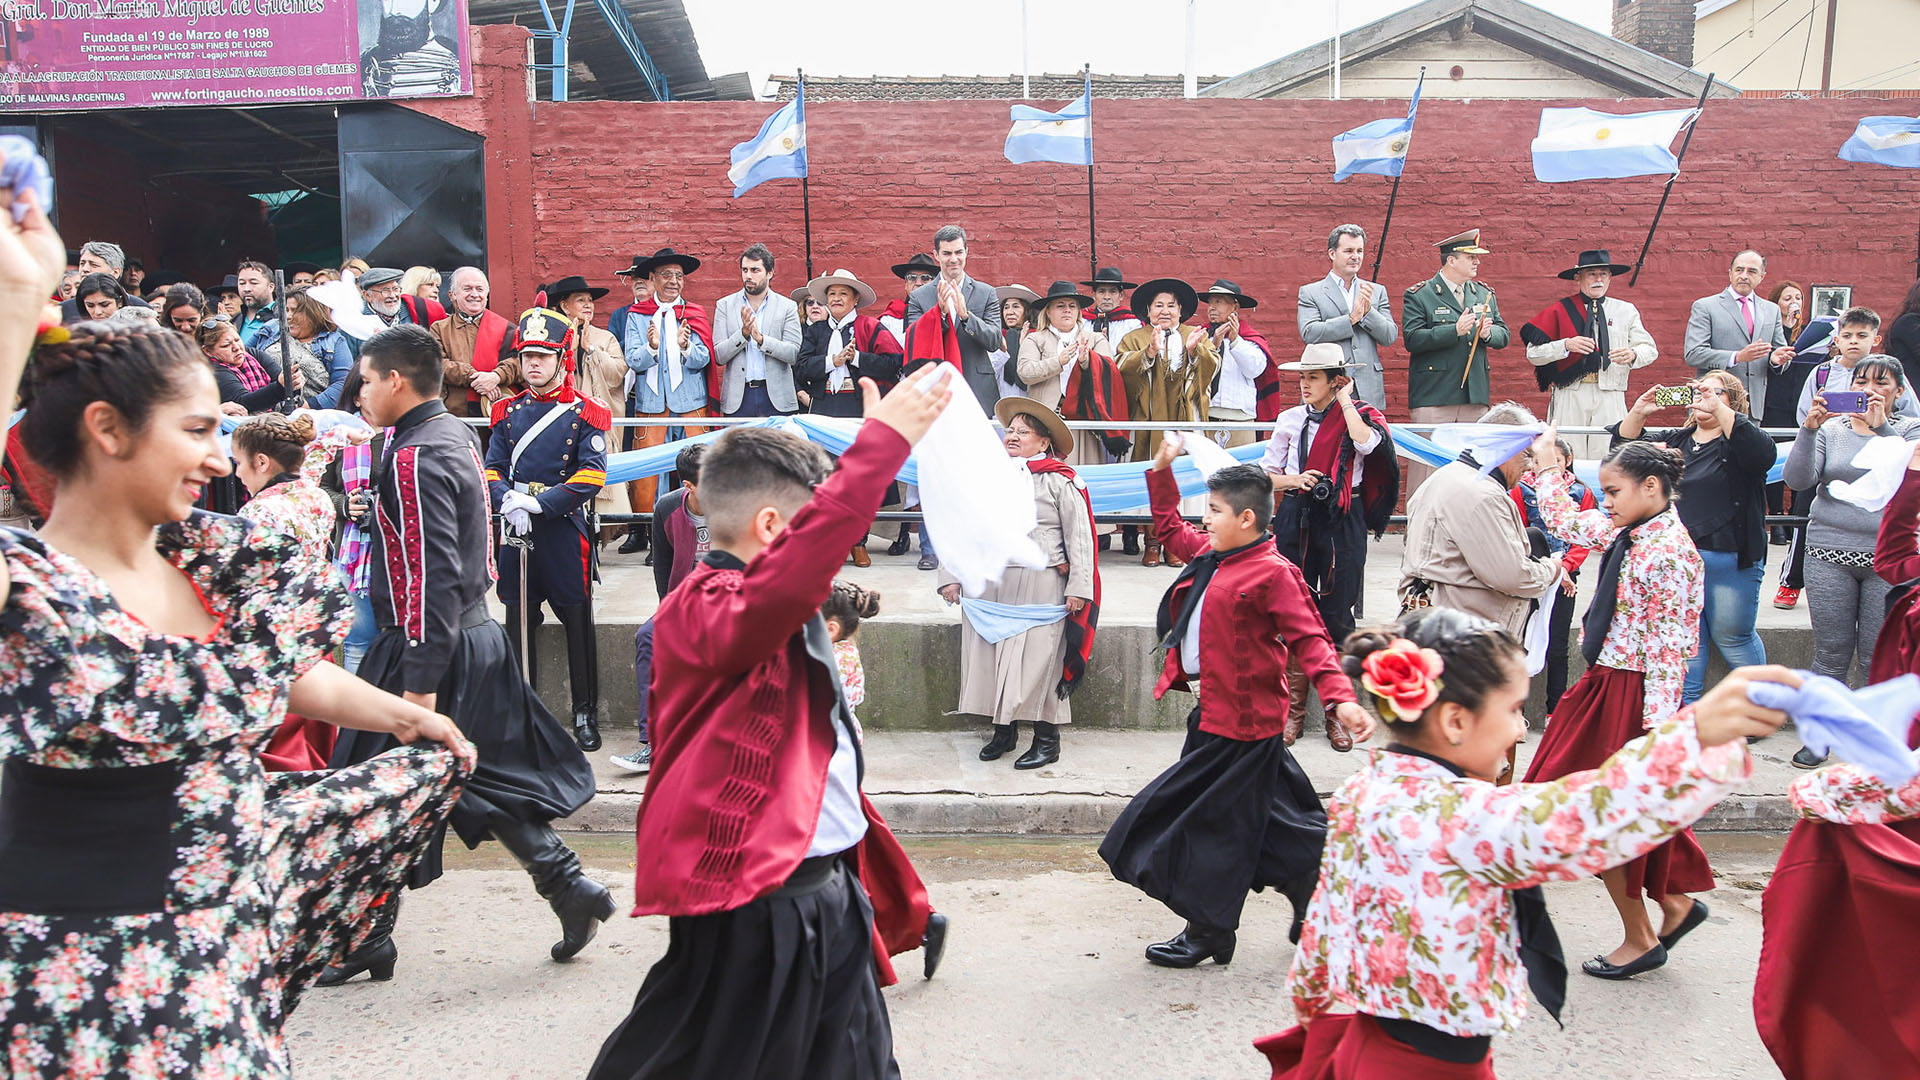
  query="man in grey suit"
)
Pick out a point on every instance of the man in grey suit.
point(976, 307)
point(1739, 331)
point(757, 336)
point(1352, 313)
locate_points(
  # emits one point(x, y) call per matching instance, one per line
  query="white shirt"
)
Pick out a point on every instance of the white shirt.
point(1120, 323)
point(1293, 438)
point(756, 360)
point(1064, 339)
point(839, 336)
point(1242, 364)
point(1349, 290)
point(1190, 642)
point(842, 821)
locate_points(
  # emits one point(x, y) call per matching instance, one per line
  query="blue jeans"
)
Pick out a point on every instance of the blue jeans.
point(643, 670)
point(362, 634)
point(1733, 604)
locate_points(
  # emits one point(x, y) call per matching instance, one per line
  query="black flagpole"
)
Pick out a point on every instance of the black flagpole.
point(1699, 107)
point(806, 207)
point(1380, 248)
point(1093, 244)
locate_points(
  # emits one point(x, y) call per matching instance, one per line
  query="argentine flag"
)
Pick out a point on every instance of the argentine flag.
point(1378, 148)
point(1885, 140)
point(779, 150)
point(1065, 136)
point(1580, 144)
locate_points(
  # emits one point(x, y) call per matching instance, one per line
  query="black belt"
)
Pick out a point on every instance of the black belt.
point(1434, 1043)
point(756, 382)
point(477, 615)
point(87, 842)
point(811, 875)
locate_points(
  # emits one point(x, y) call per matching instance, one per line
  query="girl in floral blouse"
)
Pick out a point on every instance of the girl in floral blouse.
point(1642, 627)
point(1428, 914)
point(268, 450)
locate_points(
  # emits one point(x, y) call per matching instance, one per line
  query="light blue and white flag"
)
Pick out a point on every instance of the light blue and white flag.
point(1065, 136)
point(1885, 140)
point(1378, 148)
point(1581, 144)
point(778, 151)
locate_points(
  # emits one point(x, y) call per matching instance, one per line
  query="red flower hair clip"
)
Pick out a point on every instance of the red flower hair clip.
point(1403, 678)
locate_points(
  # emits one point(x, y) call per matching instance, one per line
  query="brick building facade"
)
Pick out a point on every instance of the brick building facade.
point(1195, 189)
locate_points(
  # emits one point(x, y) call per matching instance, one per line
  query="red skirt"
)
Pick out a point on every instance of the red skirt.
point(1601, 713)
point(300, 745)
point(1833, 998)
point(1350, 1046)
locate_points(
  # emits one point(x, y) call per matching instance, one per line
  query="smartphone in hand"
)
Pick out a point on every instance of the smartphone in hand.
point(1845, 401)
point(1666, 397)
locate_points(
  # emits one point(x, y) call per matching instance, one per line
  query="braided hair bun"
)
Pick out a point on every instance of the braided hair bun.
point(850, 603)
point(283, 439)
point(1640, 459)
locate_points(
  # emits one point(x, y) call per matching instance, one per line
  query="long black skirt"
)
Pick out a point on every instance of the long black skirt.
point(1230, 816)
point(783, 987)
point(530, 768)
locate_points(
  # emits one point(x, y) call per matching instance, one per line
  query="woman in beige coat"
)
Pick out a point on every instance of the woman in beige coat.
point(599, 371)
point(1049, 355)
point(1169, 371)
point(1019, 676)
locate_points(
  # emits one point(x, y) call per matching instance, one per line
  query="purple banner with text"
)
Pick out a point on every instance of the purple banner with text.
point(59, 55)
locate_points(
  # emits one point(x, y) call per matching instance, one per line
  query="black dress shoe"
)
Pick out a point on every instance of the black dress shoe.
point(586, 728)
point(375, 958)
point(1106, 542)
point(1045, 749)
point(934, 943)
point(1599, 968)
point(1129, 540)
point(928, 562)
point(1804, 758)
point(1694, 918)
point(636, 541)
point(582, 907)
point(1192, 947)
point(902, 542)
point(1005, 738)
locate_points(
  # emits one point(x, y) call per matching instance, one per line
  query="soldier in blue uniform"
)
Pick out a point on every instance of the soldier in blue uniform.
point(546, 461)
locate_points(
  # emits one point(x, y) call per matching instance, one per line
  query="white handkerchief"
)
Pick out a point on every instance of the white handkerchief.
point(1885, 458)
point(1207, 455)
point(978, 501)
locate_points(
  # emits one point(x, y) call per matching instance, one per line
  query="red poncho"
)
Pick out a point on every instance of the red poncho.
point(1099, 392)
point(1082, 624)
point(932, 338)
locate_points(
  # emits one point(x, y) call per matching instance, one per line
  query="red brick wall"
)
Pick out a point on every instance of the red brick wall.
point(1195, 189)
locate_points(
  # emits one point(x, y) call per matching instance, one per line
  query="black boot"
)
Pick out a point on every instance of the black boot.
point(525, 642)
point(1193, 946)
point(581, 902)
point(377, 956)
point(934, 943)
point(635, 542)
point(1130, 539)
point(1045, 749)
point(1005, 737)
point(902, 542)
point(583, 672)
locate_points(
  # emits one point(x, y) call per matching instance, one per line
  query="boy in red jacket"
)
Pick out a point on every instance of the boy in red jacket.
point(753, 812)
point(1235, 812)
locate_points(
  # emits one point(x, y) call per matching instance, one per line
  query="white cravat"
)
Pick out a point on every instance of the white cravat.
point(667, 323)
point(1066, 339)
point(1174, 348)
point(841, 337)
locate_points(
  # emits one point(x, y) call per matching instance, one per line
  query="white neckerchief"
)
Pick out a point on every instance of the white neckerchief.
point(1066, 338)
point(667, 321)
point(840, 335)
point(1173, 348)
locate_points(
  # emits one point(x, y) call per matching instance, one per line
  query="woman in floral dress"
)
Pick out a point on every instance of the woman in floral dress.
point(1637, 637)
point(1429, 925)
point(163, 903)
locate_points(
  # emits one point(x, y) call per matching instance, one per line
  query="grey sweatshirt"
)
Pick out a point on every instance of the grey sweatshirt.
point(1820, 457)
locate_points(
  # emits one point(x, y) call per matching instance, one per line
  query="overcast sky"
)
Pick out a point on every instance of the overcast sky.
point(982, 37)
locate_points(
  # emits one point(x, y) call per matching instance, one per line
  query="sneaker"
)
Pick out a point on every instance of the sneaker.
point(1787, 598)
point(634, 763)
point(1804, 758)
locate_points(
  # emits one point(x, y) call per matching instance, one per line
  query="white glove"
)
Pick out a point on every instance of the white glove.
point(521, 501)
point(518, 522)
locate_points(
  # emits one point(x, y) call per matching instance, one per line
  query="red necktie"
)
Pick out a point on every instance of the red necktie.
point(1746, 312)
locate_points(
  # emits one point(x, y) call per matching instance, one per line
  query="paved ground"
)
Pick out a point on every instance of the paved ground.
point(1043, 978)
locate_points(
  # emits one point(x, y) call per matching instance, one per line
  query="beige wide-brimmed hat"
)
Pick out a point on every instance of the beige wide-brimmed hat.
point(864, 293)
point(1324, 356)
point(1056, 425)
point(1017, 291)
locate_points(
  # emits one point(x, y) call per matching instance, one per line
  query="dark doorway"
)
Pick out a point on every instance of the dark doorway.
point(413, 189)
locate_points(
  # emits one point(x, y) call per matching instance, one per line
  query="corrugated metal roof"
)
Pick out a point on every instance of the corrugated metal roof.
point(1046, 87)
point(662, 27)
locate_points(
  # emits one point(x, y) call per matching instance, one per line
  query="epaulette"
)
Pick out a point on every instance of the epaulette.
point(596, 413)
point(500, 407)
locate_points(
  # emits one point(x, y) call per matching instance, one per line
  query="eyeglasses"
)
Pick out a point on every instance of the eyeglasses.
point(919, 279)
point(670, 275)
point(1021, 432)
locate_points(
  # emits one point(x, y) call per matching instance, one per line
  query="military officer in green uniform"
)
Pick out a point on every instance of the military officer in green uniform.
point(1452, 323)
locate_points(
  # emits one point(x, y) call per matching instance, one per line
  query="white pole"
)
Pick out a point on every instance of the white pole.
point(1026, 80)
point(1193, 7)
point(1336, 50)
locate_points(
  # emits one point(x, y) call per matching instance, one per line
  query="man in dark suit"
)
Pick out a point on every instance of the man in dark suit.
point(976, 309)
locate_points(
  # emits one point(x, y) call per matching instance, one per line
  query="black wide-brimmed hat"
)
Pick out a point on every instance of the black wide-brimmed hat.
point(1144, 293)
point(1223, 287)
point(293, 268)
point(1597, 259)
point(632, 270)
point(920, 261)
point(666, 256)
point(1109, 275)
point(567, 286)
point(229, 284)
point(1064, 290)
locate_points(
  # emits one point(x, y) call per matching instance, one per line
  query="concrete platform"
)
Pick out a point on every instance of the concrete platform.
point(911, 652)
point(928, 782)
